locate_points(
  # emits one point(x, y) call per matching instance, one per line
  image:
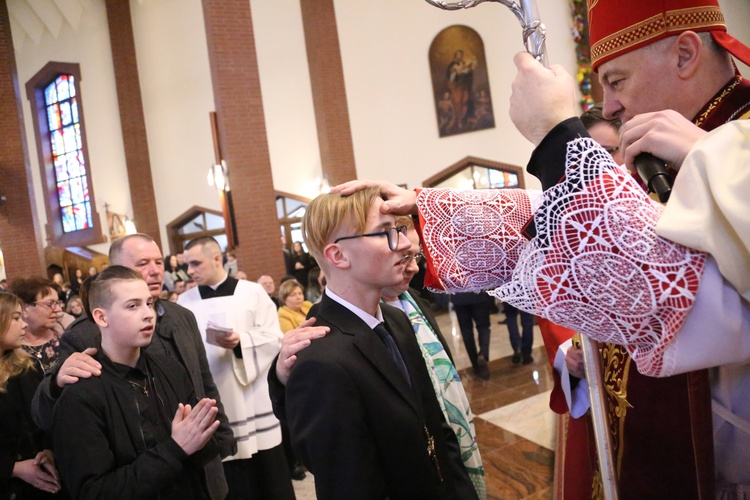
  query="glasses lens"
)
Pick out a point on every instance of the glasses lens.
point(392, 238)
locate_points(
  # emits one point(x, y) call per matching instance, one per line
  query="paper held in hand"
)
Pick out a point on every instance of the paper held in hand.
point(214, 332)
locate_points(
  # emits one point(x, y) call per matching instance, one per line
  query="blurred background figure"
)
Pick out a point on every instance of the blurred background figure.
point(74, 307)
point(173, 273)
point(474, 309)
point(302, 263)
point(76, 282)
point(521, 344)
point(230, 266)
point(315, 285)
point(27, 469)
point(294, 307)
point(179, 287)
point(288, 259)
point(270, 287)
point(57, 279)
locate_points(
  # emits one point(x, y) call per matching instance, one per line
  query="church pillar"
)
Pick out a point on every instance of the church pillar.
point(20, 238)
point(132, 120)
point(242, 134)
point(328, 90)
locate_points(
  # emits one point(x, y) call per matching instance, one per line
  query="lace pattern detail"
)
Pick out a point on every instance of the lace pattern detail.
point(597, 266)
point(473, 238)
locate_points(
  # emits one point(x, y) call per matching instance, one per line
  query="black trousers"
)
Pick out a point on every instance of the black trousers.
point(520, 343)
point(479, 314)
point(263, 476)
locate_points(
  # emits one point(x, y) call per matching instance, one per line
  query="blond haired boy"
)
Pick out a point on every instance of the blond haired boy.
point(362, 413)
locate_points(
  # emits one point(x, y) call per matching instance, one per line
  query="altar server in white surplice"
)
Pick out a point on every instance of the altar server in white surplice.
point(240, 328)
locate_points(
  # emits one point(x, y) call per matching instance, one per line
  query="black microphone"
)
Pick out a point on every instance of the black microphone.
point(654, 174)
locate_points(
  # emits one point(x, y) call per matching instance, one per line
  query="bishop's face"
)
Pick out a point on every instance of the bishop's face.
point(641, 81)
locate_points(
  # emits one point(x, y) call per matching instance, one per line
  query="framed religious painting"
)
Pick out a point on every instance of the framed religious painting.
point(460, 83)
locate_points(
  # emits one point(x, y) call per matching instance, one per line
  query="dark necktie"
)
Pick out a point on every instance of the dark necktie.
point(390, 344)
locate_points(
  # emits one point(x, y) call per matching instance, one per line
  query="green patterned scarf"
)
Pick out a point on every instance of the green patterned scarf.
point(450, 392)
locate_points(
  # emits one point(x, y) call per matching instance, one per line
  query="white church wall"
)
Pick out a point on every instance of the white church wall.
point(287, 96)
point(390, 92)
point(737, 15)
point(177, 95)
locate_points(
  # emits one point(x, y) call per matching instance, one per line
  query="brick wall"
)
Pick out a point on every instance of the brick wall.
point(133, 123)
point(242, 134)
point(328, 90)
point(19, 224)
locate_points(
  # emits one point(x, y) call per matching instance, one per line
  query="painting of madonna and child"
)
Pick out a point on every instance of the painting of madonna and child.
point(459, 81)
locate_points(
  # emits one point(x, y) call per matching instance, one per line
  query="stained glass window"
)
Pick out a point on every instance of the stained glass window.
point(67, 154)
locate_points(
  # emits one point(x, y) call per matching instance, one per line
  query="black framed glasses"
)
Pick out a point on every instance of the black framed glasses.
point(50, 304)
point(392, 234)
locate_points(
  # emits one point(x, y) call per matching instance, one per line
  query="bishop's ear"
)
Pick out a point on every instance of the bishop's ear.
point(689, 48)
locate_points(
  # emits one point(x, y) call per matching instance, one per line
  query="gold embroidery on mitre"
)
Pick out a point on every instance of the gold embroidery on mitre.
point(616, 364)
point(671, 21)
point(694, 18)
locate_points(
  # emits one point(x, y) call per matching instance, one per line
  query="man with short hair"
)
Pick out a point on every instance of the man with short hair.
point(176, 336)
point(137, 430)
point(242, 334)
point(179, 287)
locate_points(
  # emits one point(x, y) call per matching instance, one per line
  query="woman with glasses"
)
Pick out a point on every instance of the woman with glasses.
point(43, 313)
point(27, 468)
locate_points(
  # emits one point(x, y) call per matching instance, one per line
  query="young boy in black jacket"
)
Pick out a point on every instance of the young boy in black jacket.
point(137, 431)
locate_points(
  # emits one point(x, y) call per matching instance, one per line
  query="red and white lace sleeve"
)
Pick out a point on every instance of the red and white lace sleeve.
point(472, 239)
point(597, 266)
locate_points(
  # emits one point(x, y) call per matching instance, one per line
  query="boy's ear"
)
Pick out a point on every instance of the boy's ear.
point(335, 254)
point(99, 316)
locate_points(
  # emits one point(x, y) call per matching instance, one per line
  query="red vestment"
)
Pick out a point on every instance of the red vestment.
point(661, 427)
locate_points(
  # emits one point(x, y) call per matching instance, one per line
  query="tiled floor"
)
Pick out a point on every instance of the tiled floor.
point(515, 427)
